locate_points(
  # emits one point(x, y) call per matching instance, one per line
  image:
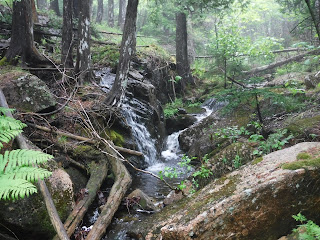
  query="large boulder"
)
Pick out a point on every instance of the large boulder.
point(29, 217)
point(199, 139)
point(26, 92)
point(255, 202)
point(179, 122)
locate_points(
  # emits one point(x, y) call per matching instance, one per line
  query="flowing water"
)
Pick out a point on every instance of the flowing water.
point(134, 110)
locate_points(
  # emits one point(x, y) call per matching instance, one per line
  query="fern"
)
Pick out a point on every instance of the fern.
point(17, 169)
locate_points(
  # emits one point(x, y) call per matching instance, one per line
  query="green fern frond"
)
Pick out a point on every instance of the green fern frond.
point(4, 110)
point(10, 123)
point(30, 174)
point(7, 135)
point(12, 189)
point(21, 157)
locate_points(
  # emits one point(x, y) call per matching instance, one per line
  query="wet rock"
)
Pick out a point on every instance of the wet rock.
point(179, 122)
point(29, 218)
point(135, 74)
point(175, 195)
point(144, 200)
point(283, 79)
point(254, 202)
point(27, 92)
point(311, 81)
point(198, 139)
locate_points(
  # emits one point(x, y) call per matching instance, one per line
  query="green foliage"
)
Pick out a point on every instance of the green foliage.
point(236, 162)
point(307, 230)
point(275, 141)
point(106, 55)
point(172, 108)
point(16, 167)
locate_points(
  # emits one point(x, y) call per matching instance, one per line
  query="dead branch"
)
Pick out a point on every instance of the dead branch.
point(84, 139)
point(98, 173)
point(280, 63)
point(51, 209)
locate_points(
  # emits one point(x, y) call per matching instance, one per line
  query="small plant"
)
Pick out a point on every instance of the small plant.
point(172, 108)
point(236, 162)
point(17, 171)
point(308, 230)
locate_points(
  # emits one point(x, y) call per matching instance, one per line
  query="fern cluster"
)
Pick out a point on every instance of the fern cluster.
point(17, 171)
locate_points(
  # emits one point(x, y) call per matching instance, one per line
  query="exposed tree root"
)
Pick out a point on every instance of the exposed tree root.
point(98, 173)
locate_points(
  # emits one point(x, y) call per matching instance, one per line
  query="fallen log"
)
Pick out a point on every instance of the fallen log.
point(118, 191)
point(51, 209)
point(80, 138)
point(98, 173)
point(280, 63)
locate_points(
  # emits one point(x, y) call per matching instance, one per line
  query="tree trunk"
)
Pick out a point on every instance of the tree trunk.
point(76, 8)
point(99, 11)
point(183, 67)
point(22, 41)
point(67, 35)
point(111, 13)
point(41, 4)
point(34, 12)
point(54, 5)
point(83, 64)
point(122, 7)
point(313, 18)
point(128, 47)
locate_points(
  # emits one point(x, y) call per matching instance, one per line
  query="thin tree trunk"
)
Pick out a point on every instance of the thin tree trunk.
point(83, 65)
point(313, 18)
point(111, 13)
point(183, 66)
point(67, 35)
point(51, 209)
point(122, 6)
point(41, 4)
point(34, 12)
point(54, 5)
point(99, 11)
point(128, 47)
point(22, 40)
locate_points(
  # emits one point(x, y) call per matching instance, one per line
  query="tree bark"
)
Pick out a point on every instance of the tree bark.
point(76, 8)
point(98, 172)
point(183, 66)
point(128, 47)
point(22, 40)
point(34, 12)
point(42, 4)
point(111, 13)
point(310, 8)
point(51, 209)
point(54, 5)
point(67, 35)
point(122, 8)
point(83, 63)
point(99, 11)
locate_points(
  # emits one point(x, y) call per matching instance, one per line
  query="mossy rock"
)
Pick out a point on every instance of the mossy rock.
point(306, 128)
point(87, 153)
point(29, 217)
point(116, 137)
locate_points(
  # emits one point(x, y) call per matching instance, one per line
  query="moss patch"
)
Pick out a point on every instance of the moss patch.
point(257, 160)
point(297, 127)
point(303, 155)
point(302, 164)
point(116, 137)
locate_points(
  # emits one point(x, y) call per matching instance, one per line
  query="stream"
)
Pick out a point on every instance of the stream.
point(156, 161)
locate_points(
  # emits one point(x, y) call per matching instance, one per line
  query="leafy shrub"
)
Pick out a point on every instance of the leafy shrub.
point(172, 108)
point(308, 230)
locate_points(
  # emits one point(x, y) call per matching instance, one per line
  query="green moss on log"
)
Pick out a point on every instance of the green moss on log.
point(302, 164)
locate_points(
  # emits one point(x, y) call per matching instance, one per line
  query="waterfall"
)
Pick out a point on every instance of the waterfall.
point(145, 143)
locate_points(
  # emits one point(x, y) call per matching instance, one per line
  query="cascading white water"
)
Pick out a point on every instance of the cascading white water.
point(143, 139)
